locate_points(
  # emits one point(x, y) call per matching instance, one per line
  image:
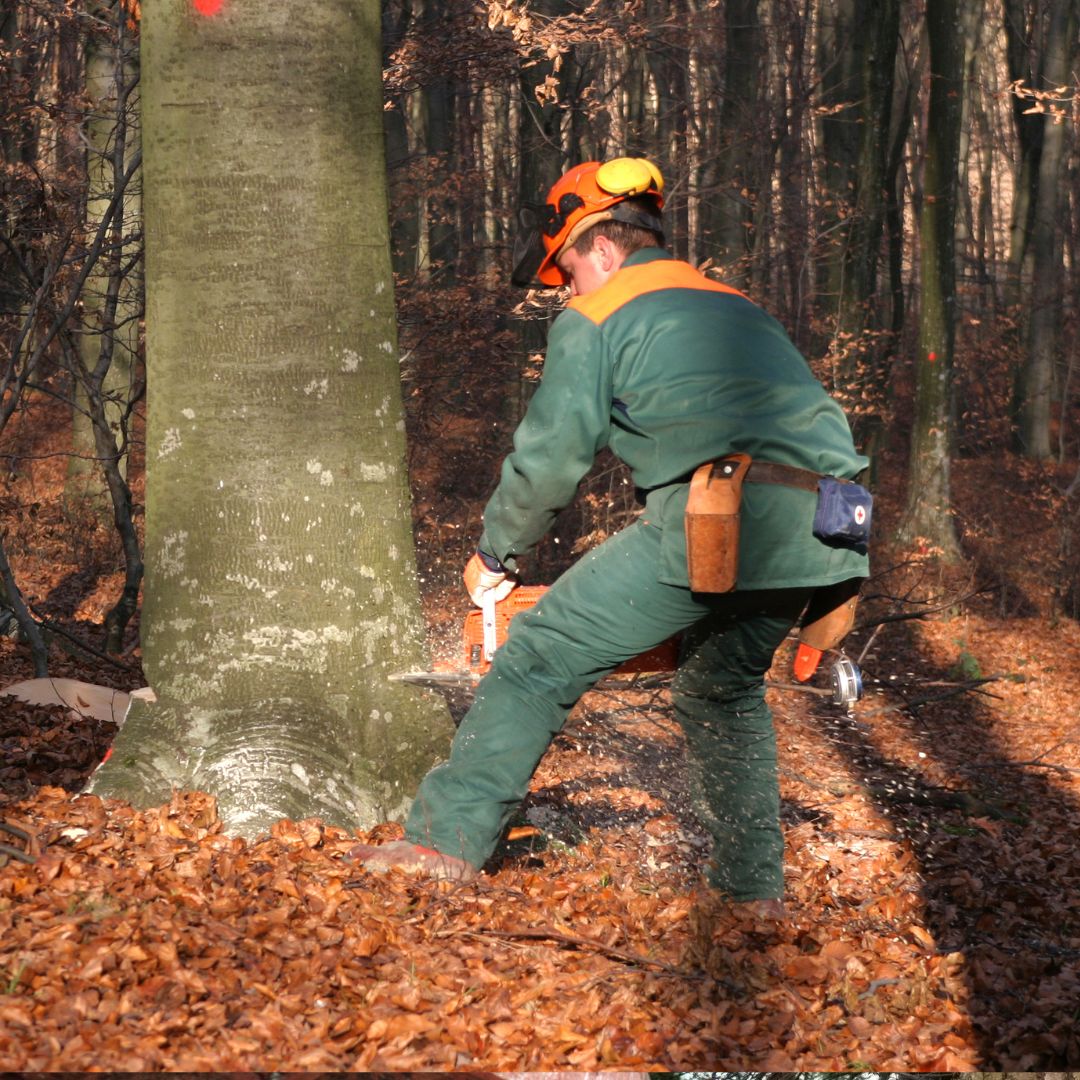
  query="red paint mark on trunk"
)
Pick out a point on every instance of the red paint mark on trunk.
point(207, 7)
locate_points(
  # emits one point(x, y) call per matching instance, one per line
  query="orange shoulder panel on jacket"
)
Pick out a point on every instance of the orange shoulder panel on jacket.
point(634, 281)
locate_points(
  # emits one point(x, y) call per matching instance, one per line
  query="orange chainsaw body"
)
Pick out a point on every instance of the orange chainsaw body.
point(665, 657)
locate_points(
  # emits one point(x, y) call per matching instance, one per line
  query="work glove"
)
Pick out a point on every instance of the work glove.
point(482, 581)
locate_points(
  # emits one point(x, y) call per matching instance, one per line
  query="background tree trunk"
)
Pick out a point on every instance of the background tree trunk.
point(1024, 51)
point(439, 103)
point(734, 178)
point(856, 149)
point(927, 520)
point(857, 47)
point(1048, 270)
point(104, 359)
point(280, 588)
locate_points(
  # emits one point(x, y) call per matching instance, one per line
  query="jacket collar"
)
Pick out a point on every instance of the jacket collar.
point(646, 255)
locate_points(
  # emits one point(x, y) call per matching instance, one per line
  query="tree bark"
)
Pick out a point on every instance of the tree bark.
point(440, 131)
point(857, 151)
point(793, 165)
point(1048, 271)
point(667, 59)
point(857, 56)
point(1023, 50)
point(904, 108)
point(406, 210)
point(108, 338)
point(281, 590)
point(928, 518)
point(738, 164)
point(841, 46)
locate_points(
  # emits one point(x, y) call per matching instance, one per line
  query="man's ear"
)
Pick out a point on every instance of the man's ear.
point(610, 254)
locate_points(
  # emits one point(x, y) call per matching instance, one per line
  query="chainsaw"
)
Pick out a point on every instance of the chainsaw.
point(485, 630)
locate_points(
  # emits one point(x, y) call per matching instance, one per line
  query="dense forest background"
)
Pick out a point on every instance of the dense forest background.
point(897, 182)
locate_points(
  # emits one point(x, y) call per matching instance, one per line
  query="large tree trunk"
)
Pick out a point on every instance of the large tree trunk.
point(281, 590)
point(928, 519)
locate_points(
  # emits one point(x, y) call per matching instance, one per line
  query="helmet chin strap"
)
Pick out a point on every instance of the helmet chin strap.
point(644, 219)
point(628, 215)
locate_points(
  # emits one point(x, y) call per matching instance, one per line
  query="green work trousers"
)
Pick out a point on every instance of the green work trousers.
point(607, 608)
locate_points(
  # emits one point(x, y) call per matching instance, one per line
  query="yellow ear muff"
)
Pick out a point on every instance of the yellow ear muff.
point(629, 176)
point(658, 179)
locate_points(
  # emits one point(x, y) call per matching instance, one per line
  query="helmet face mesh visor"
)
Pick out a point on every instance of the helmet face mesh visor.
point(528, 251)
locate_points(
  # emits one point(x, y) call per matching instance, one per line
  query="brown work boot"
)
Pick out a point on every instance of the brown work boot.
point(713, 903)
point(764, 910)
point(410, 858)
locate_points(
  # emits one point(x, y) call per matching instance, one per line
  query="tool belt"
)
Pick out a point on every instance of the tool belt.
point(712, 514)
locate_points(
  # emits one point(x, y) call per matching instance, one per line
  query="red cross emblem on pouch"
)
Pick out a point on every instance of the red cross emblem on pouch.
point(860, 515)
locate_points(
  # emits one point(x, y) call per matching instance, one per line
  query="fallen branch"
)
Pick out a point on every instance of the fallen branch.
point(903, 616)
point(28, 839)
point(15, 831)
point(13, 597)
point(802, 688)
point(54, 628)
point(913, 793)
point(929, 699)
point(16, 853)
point(876, 985)
point(1035, 763)
point(1047, 948)
point(588, 943)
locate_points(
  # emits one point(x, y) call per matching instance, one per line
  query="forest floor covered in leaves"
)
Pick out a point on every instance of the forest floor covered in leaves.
point(933, 875)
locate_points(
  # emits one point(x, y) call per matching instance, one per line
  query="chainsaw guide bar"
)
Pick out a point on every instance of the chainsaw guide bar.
point(438, 680)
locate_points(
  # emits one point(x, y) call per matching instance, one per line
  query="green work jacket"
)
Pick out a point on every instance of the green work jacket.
point(670, 369)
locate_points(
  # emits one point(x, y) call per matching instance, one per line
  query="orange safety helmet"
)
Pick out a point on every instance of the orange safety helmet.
point(583, 197)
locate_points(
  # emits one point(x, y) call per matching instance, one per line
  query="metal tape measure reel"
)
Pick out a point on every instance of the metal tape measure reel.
point(846, 681)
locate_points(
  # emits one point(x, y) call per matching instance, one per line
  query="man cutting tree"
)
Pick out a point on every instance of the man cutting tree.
point(749, 527)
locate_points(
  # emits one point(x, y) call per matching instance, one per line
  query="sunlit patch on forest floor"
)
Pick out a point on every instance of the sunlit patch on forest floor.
point(933, 879)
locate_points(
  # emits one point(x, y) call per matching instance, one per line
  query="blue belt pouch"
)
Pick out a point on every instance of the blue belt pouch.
point(843, 513)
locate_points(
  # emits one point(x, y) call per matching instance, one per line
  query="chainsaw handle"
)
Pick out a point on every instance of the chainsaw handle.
point(487, 610)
